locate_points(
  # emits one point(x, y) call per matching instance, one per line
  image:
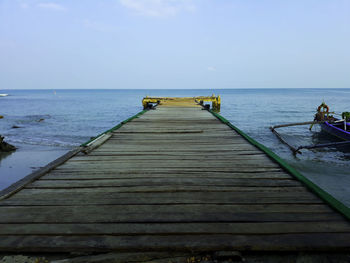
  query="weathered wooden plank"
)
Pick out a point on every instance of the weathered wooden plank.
point(161, 182)
point(176, 165)
point(174, 228)
point(171, 162)
point(157, 150)
point(287, 242)
point(91, 175)
point(186, 163)
point(135, 152)
point(180, 147)
point(184, 129)
point(96, 143)
point(163, 131)
point(165, 213)
point(179, 157)
point(174, 170)
point(132, 170)
point(199, 139)
point(38, 198)
point(176, 208)
point(174, 197)
point(187, 144)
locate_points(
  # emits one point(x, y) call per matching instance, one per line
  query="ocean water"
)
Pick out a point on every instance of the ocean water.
point(52, 122)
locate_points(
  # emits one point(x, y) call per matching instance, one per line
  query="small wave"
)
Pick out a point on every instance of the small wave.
point(32, 119)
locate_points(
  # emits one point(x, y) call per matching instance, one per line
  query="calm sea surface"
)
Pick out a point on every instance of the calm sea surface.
point(52, 122)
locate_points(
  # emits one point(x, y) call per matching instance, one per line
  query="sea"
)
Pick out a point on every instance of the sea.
point(44, 124)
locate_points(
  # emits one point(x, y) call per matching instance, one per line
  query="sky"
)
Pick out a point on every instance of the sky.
point(174, 44)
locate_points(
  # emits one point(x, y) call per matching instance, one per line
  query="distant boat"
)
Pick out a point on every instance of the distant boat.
point(3, 95)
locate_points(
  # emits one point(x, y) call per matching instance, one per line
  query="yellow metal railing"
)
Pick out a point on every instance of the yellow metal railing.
point(215, 100)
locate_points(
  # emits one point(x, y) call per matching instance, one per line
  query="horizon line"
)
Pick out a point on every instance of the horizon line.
point(163, 88)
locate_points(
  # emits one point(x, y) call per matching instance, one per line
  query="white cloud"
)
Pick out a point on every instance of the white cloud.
point(52, 6)
point(158, 8)
point(211, 68)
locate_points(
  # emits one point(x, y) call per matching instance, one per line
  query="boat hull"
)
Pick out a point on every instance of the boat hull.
point(337, 130)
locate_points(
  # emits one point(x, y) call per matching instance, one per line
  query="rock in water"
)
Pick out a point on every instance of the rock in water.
point(5, 147)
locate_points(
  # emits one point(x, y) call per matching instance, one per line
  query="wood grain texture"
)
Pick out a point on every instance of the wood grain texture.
point(173, 179)
point(218, 242)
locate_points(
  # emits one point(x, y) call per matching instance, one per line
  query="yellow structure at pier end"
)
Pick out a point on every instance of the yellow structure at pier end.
point(183, 102)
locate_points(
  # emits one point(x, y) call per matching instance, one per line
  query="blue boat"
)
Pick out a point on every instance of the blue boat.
point(337, 129)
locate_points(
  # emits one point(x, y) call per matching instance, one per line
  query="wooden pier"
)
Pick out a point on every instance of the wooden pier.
point(172, 179)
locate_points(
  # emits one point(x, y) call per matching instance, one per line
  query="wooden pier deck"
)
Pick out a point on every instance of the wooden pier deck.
point(175, 178)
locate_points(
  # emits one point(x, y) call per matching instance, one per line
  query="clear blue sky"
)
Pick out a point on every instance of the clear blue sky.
point(129, 44)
